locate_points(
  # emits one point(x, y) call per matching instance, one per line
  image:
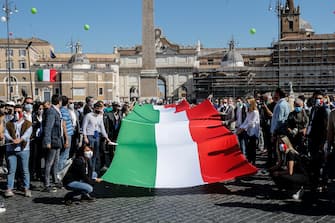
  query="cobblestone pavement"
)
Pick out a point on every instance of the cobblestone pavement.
point(250, 199)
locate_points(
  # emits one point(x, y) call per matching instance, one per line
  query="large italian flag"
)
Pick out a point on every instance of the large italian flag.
point(172, 147)
point(46, 75)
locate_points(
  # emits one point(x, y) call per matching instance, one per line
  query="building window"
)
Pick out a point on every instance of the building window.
point(78, 77)
point(10, 52)
point(108, 66)
point(290, 24)
point(101, 91)
point(325, 46)
point(56, 90)
point(79, 92)
point(36, 91)
point(23, 64)
point(22, 53)
point(210, 61)
point(99, 77)
point(325, 60)
point(24, 90)
point(298, 60)
point(286, 60)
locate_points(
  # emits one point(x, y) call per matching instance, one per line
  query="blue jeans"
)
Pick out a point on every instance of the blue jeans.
point(242, 140)
point(64, 155)
point(52, 161)
point(12, 157)
point(95, 144)
point(78, 188)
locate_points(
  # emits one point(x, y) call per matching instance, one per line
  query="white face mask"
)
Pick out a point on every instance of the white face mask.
point(88, 154)
point(71, 106)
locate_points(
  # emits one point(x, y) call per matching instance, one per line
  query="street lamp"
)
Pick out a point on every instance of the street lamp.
point(31, 79)
point(8, 11)
point(279, 6)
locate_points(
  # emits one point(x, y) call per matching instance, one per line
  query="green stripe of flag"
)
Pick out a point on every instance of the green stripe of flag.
point(135, 160)
point(39, 75)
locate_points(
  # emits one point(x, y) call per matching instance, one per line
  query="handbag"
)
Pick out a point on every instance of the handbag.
point(61, 174)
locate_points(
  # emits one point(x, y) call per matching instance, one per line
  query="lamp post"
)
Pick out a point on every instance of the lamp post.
point(8, 11)
point(278, 10)
point(31, 79)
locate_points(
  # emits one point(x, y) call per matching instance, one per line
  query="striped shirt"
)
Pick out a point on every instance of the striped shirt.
point(67, 119)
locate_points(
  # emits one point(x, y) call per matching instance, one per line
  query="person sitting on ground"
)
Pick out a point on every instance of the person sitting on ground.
point(295, 176)
point(78, 179)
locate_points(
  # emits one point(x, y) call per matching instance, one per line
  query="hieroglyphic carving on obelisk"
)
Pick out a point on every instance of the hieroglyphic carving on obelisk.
point(149, 75)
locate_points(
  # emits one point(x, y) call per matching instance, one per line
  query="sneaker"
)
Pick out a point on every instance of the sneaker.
point(59, 186)
point(27, 193)
point(9, 193)
point(46, 189)
point(87, 198)
point(299, 194)
point(54, 189)
point(2, 208)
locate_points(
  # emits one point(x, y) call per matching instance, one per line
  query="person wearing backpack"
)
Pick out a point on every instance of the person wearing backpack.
point(78, 178)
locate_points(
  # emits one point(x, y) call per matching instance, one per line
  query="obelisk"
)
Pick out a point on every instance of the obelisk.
point(149, 75)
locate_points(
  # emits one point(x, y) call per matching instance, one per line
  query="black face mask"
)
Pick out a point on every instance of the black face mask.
point(97, 111)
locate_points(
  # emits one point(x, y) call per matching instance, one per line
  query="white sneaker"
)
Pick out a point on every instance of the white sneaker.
point(298, 195)
point(2, 208)
point(9, 193)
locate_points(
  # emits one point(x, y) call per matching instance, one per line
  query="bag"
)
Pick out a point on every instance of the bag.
point(61, 174)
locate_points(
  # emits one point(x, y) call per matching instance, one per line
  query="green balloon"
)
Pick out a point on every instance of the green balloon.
point(86, 27)
point(33, 10)
point(252, 31)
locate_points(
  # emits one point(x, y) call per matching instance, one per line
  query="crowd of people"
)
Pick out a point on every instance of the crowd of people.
point(296, 134)
point(37, 139)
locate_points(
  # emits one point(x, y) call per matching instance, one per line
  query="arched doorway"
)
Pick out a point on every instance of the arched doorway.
point(133, 93)
point(12, 89)
point(161, 83)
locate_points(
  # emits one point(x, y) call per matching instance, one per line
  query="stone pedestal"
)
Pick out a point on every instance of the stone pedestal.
point(149, 87)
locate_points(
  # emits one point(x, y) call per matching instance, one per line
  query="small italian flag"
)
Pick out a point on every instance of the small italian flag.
point(46, 75)
point(175, 147)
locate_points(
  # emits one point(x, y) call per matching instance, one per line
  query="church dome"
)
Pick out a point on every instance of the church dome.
point(305, 26)
point(232, 58)
point(79, 60)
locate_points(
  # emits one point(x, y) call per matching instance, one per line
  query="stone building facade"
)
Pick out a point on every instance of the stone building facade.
point(78, 74)
point(300, 58)
point(175, 65)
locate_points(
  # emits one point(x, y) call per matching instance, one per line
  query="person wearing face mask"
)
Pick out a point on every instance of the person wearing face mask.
point(251, 126)
point(317, 136)
point(37, 152)
point(17, 134)
point(28, 112)
point(75, 125)
point(240, 115)
point(78, 178)
point(53, 130)
point(278, 124)
point(93, 129)
point(67, 120)
point(297, 123)
point(9, 111)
